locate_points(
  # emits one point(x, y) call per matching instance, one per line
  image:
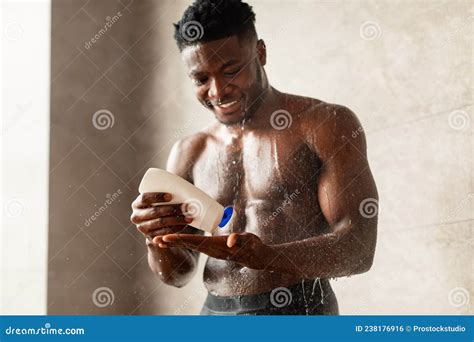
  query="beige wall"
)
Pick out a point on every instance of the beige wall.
point(409, 86)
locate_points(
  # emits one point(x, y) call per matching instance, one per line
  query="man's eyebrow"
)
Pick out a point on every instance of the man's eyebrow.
point(195, 73)
point(228, 63)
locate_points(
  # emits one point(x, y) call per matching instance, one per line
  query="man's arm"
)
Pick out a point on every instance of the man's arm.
point(176, 266)
point(348, 199)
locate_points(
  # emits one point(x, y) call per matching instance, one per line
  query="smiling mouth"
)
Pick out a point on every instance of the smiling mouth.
point(228, 104)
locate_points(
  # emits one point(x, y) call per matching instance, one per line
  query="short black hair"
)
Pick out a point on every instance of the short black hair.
point(207, 20)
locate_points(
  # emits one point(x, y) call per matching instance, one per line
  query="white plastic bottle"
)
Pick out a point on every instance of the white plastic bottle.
point(207, 214)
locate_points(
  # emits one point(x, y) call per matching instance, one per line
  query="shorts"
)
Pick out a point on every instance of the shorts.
point(309, 297)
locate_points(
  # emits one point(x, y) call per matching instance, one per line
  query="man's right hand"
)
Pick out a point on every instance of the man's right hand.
point(152, 220)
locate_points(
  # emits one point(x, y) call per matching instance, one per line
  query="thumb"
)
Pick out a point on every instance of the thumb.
point(232, 240)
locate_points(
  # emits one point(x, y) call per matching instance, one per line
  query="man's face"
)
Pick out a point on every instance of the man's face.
point(227, 76)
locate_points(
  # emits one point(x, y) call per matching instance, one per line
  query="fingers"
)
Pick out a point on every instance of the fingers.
point(179, 240)
point(232, 240)
point(243, 248)
point(189, 240)
point(155, 236)
point(153, 241)
point(167, 230)
point(147, 199)
point(162, 222)
point(148, 218)
point(141, 215)
point(158, 240)
point(214, 246)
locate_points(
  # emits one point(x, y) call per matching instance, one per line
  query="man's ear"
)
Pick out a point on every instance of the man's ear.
point(262, 52)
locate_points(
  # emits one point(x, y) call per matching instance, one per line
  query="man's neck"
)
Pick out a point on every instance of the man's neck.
point(268, 103)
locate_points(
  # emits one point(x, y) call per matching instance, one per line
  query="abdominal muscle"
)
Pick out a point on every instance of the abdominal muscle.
point(227, 278)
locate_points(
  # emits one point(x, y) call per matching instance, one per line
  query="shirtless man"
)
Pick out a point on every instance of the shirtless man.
point(293, 168)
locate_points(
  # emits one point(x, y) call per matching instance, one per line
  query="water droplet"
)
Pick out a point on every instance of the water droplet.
point(320, 287)
point(314, 285)
point(304, 297)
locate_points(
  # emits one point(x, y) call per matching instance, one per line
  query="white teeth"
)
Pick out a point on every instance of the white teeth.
point(228, 104)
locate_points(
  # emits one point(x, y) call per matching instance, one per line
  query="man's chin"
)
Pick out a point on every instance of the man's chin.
point(231, 118)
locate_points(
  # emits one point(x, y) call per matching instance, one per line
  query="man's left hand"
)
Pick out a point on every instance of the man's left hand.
point(243, 248)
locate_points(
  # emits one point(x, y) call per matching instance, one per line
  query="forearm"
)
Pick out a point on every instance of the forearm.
point(331, 255)
point(174, 266)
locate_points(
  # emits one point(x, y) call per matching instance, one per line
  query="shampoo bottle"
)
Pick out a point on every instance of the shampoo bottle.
point(207, 214)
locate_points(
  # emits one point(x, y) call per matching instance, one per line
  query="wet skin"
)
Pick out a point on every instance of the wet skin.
point(296, 188)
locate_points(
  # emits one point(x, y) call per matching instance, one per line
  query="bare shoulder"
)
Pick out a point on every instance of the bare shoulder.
point(300, 106)
point(328, 126)
point(185, 152)
point(324, 118)
point(325, 114)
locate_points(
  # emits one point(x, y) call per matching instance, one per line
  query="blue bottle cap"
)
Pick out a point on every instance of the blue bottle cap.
point(228, 211)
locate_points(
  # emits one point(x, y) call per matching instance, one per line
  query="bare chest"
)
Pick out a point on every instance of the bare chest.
point(257, 175)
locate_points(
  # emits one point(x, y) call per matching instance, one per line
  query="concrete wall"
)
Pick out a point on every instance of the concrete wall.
point(105, 116)
point(405, 68)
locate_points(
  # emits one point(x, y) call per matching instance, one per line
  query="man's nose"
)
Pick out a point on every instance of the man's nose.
point(218, 89)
